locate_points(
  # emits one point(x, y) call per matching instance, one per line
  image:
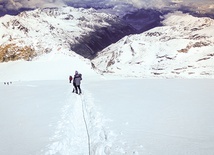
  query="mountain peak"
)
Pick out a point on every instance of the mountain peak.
point(182, 47)
point(51, 28)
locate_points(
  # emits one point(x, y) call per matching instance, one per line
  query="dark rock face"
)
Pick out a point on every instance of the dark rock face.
point(13, 12)
point(143, 19)
point(133, 23)
point(89, 45)
point(195, 13)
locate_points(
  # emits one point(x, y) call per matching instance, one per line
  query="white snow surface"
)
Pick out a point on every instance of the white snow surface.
point(39, 114)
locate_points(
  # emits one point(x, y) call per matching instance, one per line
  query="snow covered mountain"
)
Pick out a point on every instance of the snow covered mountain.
point(183, 47)
point(33, 33)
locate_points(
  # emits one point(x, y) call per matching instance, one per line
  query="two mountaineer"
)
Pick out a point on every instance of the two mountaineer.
point(76, 82)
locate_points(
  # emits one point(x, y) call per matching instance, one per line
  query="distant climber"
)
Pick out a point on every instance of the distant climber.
point(76, 82)
point(70, 78)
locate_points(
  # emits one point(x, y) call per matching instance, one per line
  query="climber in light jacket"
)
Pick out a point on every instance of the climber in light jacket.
point(76, 82)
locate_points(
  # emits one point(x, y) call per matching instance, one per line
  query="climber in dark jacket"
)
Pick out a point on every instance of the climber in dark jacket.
point(76, 82)
point(70, 78)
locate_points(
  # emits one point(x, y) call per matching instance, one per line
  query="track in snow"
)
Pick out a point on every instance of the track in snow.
point(80, 130)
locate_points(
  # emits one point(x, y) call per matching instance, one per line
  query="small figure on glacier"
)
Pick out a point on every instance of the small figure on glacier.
point(70, 78)
point(76, 82)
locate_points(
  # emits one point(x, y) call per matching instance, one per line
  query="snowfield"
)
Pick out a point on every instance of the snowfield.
point(39, 114)
point(158, 117)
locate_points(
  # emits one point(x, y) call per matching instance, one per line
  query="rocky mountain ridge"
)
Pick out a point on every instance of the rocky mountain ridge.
point(182, 47)
point(44, 30)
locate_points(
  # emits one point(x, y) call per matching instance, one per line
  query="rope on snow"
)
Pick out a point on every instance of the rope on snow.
point(86, 126)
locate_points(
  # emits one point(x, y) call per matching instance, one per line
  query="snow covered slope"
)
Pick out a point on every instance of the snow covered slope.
point(50, 66)
point(183, 47)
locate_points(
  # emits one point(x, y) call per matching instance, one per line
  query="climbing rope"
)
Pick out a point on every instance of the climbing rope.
point(86, 126)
